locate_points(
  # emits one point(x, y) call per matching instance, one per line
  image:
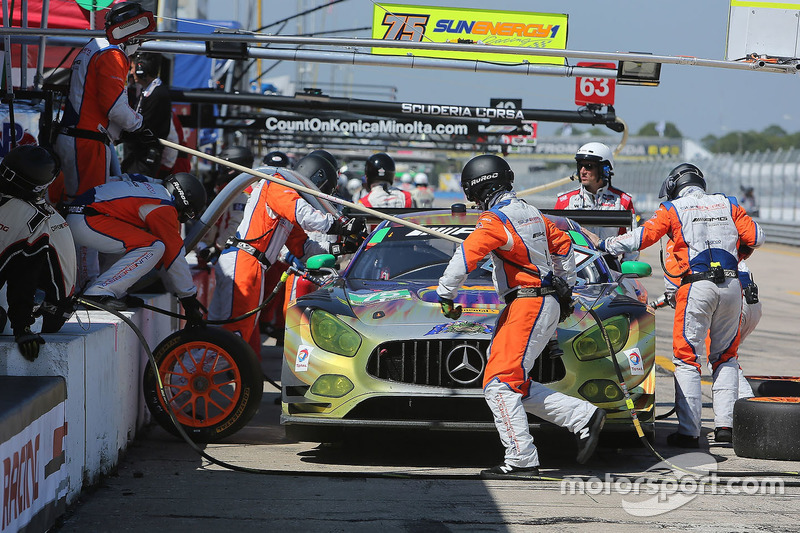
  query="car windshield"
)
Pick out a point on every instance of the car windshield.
point(402, 253)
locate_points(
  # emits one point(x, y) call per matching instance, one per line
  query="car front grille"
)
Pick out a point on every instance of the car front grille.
point(450, 363)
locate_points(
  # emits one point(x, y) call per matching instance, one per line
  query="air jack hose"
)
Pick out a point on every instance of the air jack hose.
point(638, 427)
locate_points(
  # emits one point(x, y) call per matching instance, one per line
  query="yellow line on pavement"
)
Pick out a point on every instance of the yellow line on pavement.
point(667, 364)
point(774, 250)
point(796, 293)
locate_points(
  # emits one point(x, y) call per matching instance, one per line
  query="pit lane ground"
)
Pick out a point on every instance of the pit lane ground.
point(162, 485)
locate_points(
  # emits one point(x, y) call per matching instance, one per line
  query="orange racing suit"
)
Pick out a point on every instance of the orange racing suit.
point(274, 215)
point(97, 112)
point(138, 218)
point(707, 230)
point(517, 232)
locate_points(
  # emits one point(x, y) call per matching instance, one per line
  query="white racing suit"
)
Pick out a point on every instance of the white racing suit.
point(423, 196)
point(605, 199)
point(751, 312)
point(382, 196)
point(707, 230)
point(517, 231)
point(139, 219)
point(36, 252)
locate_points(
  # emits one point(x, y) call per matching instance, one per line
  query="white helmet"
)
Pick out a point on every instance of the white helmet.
point(599, 153)
point(354, 185)
point(421, 178)
point(406, 178)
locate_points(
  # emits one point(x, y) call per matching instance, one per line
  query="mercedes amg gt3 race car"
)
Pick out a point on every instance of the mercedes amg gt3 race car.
point(371, 349)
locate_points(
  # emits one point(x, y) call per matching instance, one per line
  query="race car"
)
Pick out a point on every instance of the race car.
point(371, 349)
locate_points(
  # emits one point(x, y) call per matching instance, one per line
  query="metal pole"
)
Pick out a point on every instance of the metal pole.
point(312, 192)
point(9, 96)
point(23, 62)
point(349, 42)
point(38, 79)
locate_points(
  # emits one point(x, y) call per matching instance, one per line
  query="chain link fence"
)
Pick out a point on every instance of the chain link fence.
point(774, 177)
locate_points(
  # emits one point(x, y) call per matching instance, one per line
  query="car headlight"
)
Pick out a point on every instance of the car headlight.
point(333, 335)
point(590, 344)
point(332, 386)
point(600, 391)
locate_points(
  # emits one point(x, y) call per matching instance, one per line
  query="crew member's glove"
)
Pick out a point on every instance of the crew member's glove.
point(349, 245)
point(745, 251)
point(564, 296)
point(28, 343)
point(353, 227)
point(205, 255)
point(193, 310)
point(292, 260)
point(449, 309)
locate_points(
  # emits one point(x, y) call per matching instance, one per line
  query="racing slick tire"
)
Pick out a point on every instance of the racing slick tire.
point(767, 428)
point(776, 386)
point(212, 379)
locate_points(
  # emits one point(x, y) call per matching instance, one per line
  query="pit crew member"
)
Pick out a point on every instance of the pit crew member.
point(36, 248)
point(141, 220)
point(710, 232)
point(379, 170)
point(595, 167)
point(531, 257)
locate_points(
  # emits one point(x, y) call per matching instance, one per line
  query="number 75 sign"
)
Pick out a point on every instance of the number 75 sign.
point(595, 90)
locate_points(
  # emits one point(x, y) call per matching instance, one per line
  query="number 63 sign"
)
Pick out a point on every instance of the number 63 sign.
point(595, 90)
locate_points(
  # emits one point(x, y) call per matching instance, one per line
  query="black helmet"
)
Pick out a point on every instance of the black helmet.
point(241, 155)
point(319, 170)
point(485, 175)
point(379, 167)
point(147, 65)
point(188, 194)
point(328, 157)
point(679, 178)
point(27, 170)
point(276, 159)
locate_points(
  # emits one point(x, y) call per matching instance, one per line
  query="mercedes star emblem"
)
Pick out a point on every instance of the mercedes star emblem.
point(465, 364)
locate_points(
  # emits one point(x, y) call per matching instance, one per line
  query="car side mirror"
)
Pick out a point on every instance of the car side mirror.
point(638, 269)
point(318, 262)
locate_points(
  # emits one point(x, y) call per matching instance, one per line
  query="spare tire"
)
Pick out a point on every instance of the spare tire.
point(767, 428)
point(775, 386)
point(212, 380)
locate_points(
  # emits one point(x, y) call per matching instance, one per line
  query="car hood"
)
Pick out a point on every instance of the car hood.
point(415, 303)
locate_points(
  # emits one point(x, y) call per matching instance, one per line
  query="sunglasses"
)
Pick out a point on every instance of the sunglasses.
point(587, 166)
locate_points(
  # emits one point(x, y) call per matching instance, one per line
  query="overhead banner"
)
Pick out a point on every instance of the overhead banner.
point(401, 22)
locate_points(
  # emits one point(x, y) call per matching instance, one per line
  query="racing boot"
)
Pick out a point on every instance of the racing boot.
point(588, 436)
point(505, 471)
point(679, 440)
point(723, 434)
point(104, 302)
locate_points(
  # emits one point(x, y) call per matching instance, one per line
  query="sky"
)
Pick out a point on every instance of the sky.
point(698, 100)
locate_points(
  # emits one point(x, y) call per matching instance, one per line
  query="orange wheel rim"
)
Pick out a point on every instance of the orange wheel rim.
point(201, 382)
point(773, 399)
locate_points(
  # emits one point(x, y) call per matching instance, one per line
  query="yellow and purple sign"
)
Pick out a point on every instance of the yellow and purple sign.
point(418, 24)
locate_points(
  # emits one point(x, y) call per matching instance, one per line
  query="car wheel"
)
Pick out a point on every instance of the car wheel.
point(776, 386)
point(212, 380)
point(767, 428)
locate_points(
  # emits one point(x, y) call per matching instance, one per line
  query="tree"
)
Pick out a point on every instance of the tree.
point(670, 130)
